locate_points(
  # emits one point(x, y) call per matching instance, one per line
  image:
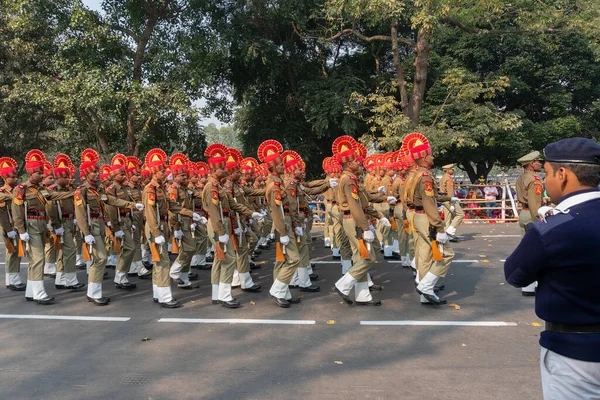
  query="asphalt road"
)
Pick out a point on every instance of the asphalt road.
point(326, 351)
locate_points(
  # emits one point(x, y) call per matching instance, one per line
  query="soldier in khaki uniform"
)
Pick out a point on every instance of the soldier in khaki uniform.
point(121, 220)
point(453, 212)
point(421, 199)
point(355, 224)
point(220, 206)
point(90, 212)
point(29, 216)
point(254, 197)
point(530, 194)
point(403, 238)
point(50, 251)
point(135, 187)
point(269, 152)
point(157, 205)
point(8, 172)
point(66, 272)
point(389, 235)
point(197, 181)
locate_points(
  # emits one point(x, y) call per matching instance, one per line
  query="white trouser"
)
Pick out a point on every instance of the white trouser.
point(566, 378)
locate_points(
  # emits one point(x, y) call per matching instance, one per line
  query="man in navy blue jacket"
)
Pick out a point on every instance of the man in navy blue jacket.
point(562, 252)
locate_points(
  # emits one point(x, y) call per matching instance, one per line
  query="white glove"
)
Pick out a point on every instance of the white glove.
point(89, 239)
point(250, 221)
point(193, 227)
point(372, 228)
point(392, 200)
point(368, 236)
point(59, 231)
point(544, 212)
point(11, 234)
point(196, 216)
point(109, 224)
point(159, 239)
point(224, 238)
point(203, 220)
point(49, 227)
point(298, 231)
point(119, 234)
point(382, 189)
point(284, 240)
point(238, 231)
point(452, 208)
point(256, 215)
point(333, 182)
point(133, 228)
point(454, 200)
point(178, 234)
point(385, 222)
point(74, 221)
point(441, 237)
point(139, 206)
point(24, 237)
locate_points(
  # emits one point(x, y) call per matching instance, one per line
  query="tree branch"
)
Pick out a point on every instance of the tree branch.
point(126, 31)
point(450, 21)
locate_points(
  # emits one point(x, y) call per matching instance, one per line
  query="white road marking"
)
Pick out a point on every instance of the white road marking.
point(65, 317)
point(239, 321)
point(438, 323)
point(496, 236)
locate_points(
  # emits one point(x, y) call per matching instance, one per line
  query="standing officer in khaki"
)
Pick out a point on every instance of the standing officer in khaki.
point(121, 221)
point(180, 224)
point(90, 212)
point(453, 212)
point(157, 205)
point(355, 224)
point(530, 194)
point(29, 216)
point(422, 195)
point(135, 188)
point(219, 206)
point(8, 172)
point(66, 272)
point(269, 152)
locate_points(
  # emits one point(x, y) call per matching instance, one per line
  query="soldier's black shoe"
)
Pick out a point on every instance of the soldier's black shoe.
point(28, 298)
point(19, 287)
point(231, 304)
point(336, 257)
point(311, 288)
point(81, 266)
point(439, 288)
point(184, 286)
point(45, 301)
point(375, 288)
point(255, 266)
point(131, 274)
point(205, 267)
point(126, 286)
point(102, 301)
point(252, 289)
point(392, 257)
point(105, 275)
point(193, 276)
point(373, 302)
point(313, 276)
point(283, 303)
point(210, 257)
point(294, 300)
point(51, 276)
point(216, 302)
point(313, 265)
point(156, 300)
point(344, 297)
point(436, 301)
point(147, 275)
point(264, 246)
point(257, 252)
point(528, 294)
point(252, 264)
point(236, 286)
point(111, 266)
point(75, 288)
point(171, 304)
point(293, 286)
point(147, 265)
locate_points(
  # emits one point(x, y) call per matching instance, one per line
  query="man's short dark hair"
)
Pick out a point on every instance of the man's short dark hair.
point(587, 174)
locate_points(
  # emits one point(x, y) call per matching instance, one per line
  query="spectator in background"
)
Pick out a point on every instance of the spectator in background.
point(490, 192)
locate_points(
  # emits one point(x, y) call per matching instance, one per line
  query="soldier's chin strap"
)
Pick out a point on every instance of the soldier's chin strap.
point(564, 206)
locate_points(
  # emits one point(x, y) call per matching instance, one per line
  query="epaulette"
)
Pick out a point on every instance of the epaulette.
point(214, 184)
point(537, 178)
point(110, 188)
point(276, 183)
point(425, 174)
point(354, 178)
point(80, 187)
point(173, 187)
point(151, 186)
point(21, 186)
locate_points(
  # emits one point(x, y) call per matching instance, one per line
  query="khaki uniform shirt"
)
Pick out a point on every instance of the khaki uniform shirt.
point(183, 197)
point(530, 192)
point(349, 199)
point(115, 213)
point(6, 222)
point(158, 205)
point(422, 193)
point(277, 198)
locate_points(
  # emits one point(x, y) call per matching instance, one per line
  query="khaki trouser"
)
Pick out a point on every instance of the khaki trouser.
point(160, 272)
point(245, 248)
point(98, 253)
point(187, 245)
point(13, 261)
point(327, 225)
point(385, 233)
point(340, 235)
point(222, 270)
point(201, 239)
point(453, 219)
point(50, 251)
point(79, 242)
point(137, 221)
point(360, 267)
point(524, 220)
point(267, 225)
point(128, 247)
point(423, 250)
point(35, 250)
point(401, 232)
point(65, 259)
point(283, 271)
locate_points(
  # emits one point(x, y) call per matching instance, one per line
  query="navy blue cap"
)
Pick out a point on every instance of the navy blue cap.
point(573, 150)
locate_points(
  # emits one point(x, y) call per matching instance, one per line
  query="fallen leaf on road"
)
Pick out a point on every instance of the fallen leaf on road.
point(463, 345)
point(330, 322)
point(501, 283)
point(485, 260)
point(341, 302)
point(536, 324)
point(338, 362)
point(482, 255)
point(456, 306)
point(300, 296)
point(145, 339)
point(252, 302)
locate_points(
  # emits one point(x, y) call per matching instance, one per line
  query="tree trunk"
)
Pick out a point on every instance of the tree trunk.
point(420, 82)
point(401, 80)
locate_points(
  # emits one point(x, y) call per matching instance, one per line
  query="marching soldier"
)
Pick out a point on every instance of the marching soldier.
point(197, 182)
point(64, 219)
point(90, 212)
point(426, 221)
point(29, 216)
point(157, 205)
point(387, 207)
point(453, 212)
point(50, 251)
point(404, 239)
point(8, 172)
point(253, 197)
point(530, 194)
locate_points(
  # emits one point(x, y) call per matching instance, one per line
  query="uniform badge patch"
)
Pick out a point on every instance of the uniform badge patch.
point(151, 199)
point(77, 199)
point(354, 192)
point(173, 196)
point(429, 189)
point(18, 200)
point(277, 198)
point(215, 197)
point(538, 190)
point(293, 192)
